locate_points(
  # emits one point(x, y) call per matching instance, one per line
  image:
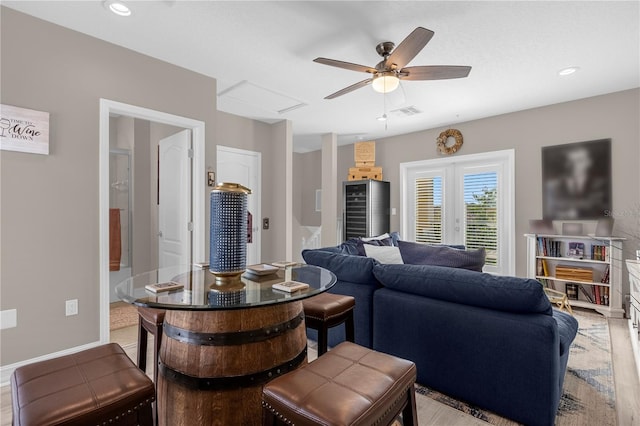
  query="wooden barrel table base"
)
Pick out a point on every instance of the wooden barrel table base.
point(213, 364)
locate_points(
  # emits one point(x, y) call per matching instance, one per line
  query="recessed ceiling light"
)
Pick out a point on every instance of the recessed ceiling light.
point(568, 71)
point(117, 7)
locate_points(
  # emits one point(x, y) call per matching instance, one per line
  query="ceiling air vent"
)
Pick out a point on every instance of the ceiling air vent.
point(406, 111)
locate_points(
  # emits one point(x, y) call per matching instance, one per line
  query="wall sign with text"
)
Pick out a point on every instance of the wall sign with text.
point(24, 130)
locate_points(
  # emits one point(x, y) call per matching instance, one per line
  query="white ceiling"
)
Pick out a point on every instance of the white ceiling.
point(261, 55)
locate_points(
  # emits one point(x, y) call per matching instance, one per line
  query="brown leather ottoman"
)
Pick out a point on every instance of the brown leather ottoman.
point(350, 385)
point(96, 386)
point(327, 310)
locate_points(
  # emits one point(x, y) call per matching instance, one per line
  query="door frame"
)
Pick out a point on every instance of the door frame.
point(108, 107)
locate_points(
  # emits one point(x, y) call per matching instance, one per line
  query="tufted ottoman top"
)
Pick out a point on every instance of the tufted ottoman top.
point(349, 385)
point(88, 387)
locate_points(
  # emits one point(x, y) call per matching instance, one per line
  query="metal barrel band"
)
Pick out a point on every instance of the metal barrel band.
point(233, 382)
point(232, 338)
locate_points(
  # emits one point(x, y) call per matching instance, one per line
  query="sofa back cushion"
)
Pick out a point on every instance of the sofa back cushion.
point(509, 294)
point(441, 255)
point(354, 269)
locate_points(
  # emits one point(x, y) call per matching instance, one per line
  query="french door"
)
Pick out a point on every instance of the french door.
point(462, 200)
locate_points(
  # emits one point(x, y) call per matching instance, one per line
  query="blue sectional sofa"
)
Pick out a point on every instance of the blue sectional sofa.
point(492, 341)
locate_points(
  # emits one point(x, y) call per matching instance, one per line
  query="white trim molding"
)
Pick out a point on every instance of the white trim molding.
point(108, 107)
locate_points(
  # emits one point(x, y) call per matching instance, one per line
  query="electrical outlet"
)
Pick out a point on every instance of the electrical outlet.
point(265, 223)
point(71, 307)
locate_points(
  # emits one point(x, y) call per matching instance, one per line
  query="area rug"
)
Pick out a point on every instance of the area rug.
point(121, 315)
point(589, 393)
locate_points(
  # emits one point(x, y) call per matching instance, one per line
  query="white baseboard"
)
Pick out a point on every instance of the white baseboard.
point(7, 370)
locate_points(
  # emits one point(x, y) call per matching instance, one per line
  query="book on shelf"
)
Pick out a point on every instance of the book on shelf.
point(539, 268)
point(572, 291)
point(586, 294)
point(599, 252)
point(549, 247)
point(605, 275)
point(601, 295)
point(605, 297)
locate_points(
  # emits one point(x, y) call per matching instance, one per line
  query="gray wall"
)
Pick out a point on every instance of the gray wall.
point(49, 208)
point(614, 116)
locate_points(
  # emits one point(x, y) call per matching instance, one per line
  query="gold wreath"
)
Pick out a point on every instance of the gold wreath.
point(442, 141)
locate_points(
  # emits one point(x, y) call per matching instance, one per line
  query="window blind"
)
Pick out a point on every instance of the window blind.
point(428, 213)
point(481, 214)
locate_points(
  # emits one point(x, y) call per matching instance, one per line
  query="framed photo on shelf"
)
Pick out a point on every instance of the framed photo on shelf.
point(576, 250)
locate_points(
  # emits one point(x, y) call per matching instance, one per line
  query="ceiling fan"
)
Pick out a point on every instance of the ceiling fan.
point(386, 75)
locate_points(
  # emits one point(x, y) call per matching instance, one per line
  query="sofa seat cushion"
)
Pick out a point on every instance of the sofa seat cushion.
point(510, 294)
point(441, 255)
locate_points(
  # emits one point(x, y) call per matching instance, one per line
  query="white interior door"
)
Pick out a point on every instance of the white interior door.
point(174, 206)
point(244, 167)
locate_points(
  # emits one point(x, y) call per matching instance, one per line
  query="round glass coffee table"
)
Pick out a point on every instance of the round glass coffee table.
point(223, 338)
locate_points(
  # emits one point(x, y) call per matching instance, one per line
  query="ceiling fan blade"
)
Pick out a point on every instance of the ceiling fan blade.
point(434, 72)
point(345, 65)
point(350, 88)
point(409, 47)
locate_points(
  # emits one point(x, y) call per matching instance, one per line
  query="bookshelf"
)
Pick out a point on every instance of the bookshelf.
point(587, 268)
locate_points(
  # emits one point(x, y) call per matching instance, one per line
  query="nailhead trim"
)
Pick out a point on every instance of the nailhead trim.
point(392, 407)
point(129, 411)
point(277, 414)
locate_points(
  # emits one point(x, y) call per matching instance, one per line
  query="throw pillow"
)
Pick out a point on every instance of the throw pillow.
point(354, 245)
point(374, 242)
point(350, 246)
point(384, 254)
point(425, 254)
point(379, 237)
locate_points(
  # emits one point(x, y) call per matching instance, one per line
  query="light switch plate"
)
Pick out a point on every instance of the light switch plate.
point(71, 307)
point(8, 319)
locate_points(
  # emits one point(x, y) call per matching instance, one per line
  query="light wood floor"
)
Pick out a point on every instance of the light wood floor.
point(626, 382)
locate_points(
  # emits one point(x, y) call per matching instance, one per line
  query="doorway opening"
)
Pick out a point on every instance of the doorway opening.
point(116, 180)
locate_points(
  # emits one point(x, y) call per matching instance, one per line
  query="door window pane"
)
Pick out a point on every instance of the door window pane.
point(428, 198)
point(481, 214)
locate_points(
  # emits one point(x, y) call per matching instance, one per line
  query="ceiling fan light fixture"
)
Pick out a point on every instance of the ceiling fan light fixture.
point(117, 7)
point(385, 82)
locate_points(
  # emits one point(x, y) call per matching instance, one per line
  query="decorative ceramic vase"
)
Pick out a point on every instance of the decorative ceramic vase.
point(228, 231)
